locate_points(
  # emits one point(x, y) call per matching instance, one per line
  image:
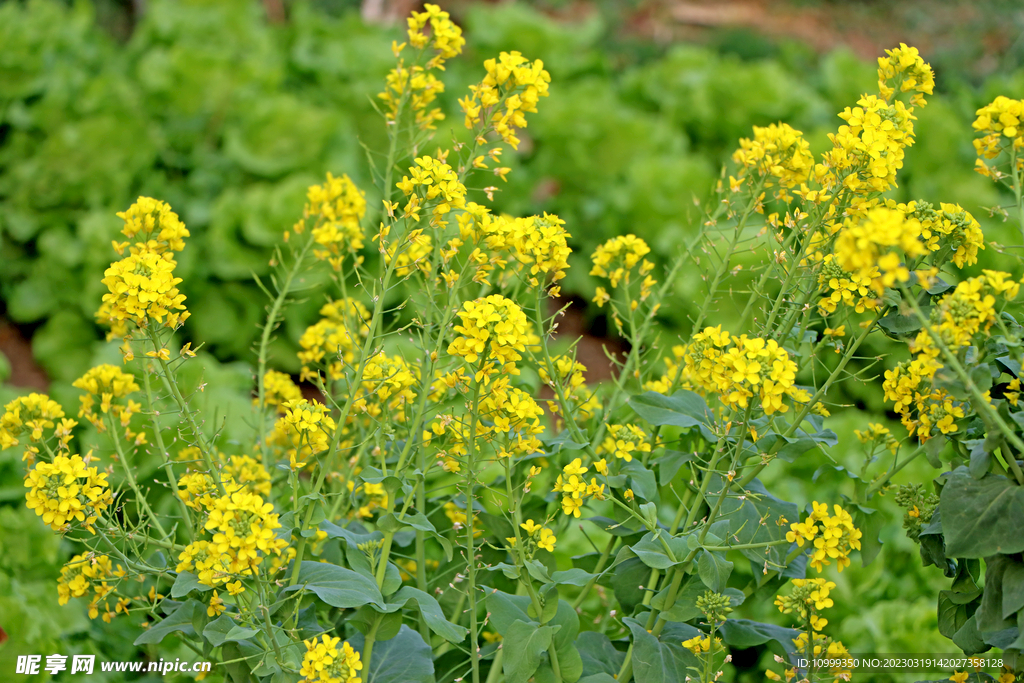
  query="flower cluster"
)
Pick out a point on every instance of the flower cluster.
point(432, 180)
point(67, 490)
point(93, 573)
point(152, 225)
point(278, 389)
point(868, 151)
point(514, 420)
point(334, 340)
point(445, 37)
point(808, 597)
point(569, 376)
point(574, 487)
point(28, 416)
point(413, 254)
point(243, 529)
point(493, 328)
point(538, 243)
point(965, 312)
point(421, 87)
point(103, 385)
point(141, 287)
point(902, 70)
point(306, 428)
point(954, 322)
point(388, 387)
point(778, 154)
point(879, 434)
point(919, 506)
point(336, 207)
point(616, 259)
point(623, 441)
point(326, 662)
point(740, 368)
point(538, 536)
point(237, 473)
point(512, 82)
point(876, 247)
point(999, 124)
point(833, 537)
point(821, 647)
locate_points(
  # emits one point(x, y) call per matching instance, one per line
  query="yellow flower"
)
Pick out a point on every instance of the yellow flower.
point(216, 606)
point(959, 677)
point(336, 207)
point(278, 389)
point(142, 287)
point(28, 416)
point(547, 540)
point(616, 259)
point(92, 572)
point(67, 491)
point(326, 662)
point(531, 527)
point(493, 327)
point(162, 354)
point(511, 89)
point(777, 153)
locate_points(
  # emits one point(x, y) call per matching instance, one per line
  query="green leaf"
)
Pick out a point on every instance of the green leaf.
point(990, 613)
point(1013, 589)
point(754, 519)
point(598, 655)
point(523, 645)
point(178, 620)
point(186, 582)
point(682, 409)
point(506, 609)
point(651, 552)
point(337, 586)
point(642, 480)
point(981, 517)
point(954, 609)
point(669, 464)
point(744, 633)
point(627, 580)
point(655, 661)
point(217, 630)
point(572, 577)
point(900, 326)
point(431, 612)
point(404, 658)
point(714, 570)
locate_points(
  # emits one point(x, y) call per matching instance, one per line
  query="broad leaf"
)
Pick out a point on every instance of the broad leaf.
point(178, 620)
point(402, 659)
point(338, 586)
point(981, 517)
point(523, 645)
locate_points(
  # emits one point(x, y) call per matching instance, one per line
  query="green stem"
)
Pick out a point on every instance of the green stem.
point(874, 488)
point(268, 329)
point(172, 386)
point(474, 650)
point(371, 638)
point(158, 437)
point(130, 477)
point(601, 562)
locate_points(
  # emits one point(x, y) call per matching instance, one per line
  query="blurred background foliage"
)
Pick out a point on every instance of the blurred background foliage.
point(228, 110)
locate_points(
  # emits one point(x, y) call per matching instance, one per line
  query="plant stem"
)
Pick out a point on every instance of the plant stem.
point(268, 329)
point(130, 477)
point(172, 479)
